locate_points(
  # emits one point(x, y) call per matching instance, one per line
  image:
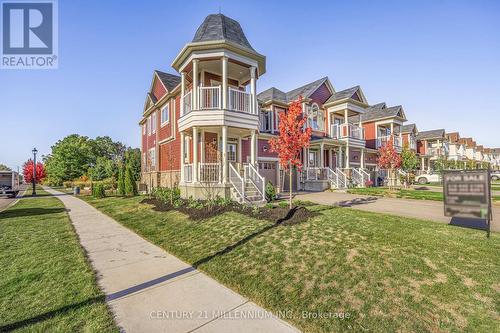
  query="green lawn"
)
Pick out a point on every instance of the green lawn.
point(46, 283)
point(389, 273)
point(398, 193)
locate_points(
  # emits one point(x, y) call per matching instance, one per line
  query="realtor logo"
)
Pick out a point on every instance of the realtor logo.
point(29, 34)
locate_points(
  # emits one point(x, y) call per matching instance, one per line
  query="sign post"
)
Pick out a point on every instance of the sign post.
point(468, 194)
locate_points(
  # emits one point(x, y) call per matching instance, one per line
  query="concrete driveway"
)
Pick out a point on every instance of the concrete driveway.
point(421, 209)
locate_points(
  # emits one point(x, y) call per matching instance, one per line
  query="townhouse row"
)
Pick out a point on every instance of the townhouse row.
point(207, 129)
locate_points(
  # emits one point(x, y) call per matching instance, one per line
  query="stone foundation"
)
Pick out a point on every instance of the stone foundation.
point(316, 185)
point(200, 191)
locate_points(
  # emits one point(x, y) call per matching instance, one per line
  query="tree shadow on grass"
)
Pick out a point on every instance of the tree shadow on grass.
point(22, 212)
point(48, 315)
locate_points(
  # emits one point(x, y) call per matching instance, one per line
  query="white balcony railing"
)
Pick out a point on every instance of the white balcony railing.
point(396, 141)
point(239, 100)
point(210, 98)
point(186, 100)
point(340, 131)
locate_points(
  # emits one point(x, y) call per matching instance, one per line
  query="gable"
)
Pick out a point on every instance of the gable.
point(356, 97)
point(158, 89)
point(321, 94)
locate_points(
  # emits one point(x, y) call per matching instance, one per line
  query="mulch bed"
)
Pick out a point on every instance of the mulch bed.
point(276, 214)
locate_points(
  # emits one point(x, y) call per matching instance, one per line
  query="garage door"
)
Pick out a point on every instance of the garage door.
point(268, 171)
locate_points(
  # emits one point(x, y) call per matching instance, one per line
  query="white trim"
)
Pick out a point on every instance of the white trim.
point(166, 106)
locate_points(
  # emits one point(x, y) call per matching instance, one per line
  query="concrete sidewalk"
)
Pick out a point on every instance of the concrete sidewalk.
point(420, 209)
point(149, 290)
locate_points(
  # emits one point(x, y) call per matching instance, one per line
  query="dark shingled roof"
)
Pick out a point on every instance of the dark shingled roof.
point(272, 94)
point(408, 128)
point(219, 27)
point(306, 90)
point(169, 80)
point(393, 111)
point(343, 94)
point(377, 106)
point(432, 134)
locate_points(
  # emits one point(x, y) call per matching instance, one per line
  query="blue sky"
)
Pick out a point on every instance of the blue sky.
point(439, 59)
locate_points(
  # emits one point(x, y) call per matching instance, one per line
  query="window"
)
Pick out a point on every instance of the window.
point(148, 125)
point(152, 159)
point(316, 118)
point(312, 159)
point(265, 121)
point(231, 152)
point(165, 115)
point(186, 149)
point(153, 123)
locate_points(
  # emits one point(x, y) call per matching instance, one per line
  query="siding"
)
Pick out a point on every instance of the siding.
point(321, 94)
point(171, 147)
point(158, 89)
point(371, 141)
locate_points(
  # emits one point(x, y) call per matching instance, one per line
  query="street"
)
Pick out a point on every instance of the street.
point(6, 201)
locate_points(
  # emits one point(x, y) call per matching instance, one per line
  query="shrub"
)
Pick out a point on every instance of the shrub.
point(121, 180)
point(68, 184)
point(165, 194)
point(130, 184)
point(270, 192)
point(98, 190)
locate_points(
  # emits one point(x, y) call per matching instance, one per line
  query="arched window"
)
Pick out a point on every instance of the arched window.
point(316, 118)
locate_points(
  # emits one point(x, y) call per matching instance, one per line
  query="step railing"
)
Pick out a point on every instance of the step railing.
point(333, 177)
point(357, 177)
point(253, 175)
point(342, 178)
point(237, 182)
point(366, 176)
point(209, 97)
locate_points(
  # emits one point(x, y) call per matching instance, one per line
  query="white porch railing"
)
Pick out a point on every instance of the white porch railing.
point(239, 100)
point(316, 173)
point(351, 131)
point(209, 97)
point(188, 173)
point(209, 172)
point(187, 99)
point(253, 175)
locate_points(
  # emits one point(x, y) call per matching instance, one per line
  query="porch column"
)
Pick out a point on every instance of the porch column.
point(346, 116)
point(183, 91)
point(195, 155)
point(392, 129)
point(253, 89)
point(347, 157)
point(253, 143)
point(183, 139)
point(322, 155)
point(224, 155)
point(224, 83)
point(240, 152)
point(194, 92)
point(202, 146)
point(362, 159)
point(422, 167)
point(340, 158)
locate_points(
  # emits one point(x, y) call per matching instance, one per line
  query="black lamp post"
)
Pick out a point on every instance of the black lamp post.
point(34, 170)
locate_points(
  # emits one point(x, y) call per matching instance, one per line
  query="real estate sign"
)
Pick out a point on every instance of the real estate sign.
point(467, 194)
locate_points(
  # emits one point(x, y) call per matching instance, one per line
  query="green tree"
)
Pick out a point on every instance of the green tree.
point(133, 159)
point(121, 179)
point(130, 185)
point(103, 168)
point(104, 146)
point(3, 167)
point(70, 158)
point(409, 161)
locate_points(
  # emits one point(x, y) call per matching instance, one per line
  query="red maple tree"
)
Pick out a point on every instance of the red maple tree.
point(28, 171)
point(389, 159)
point(293, 137)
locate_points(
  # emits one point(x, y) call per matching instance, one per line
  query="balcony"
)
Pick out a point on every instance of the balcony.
point(206, 108)
point(397, 143)
point(435, 151)
point(348, 132)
